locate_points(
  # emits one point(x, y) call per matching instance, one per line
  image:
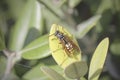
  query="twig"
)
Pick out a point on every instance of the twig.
point(50, 9)
point(10, 63)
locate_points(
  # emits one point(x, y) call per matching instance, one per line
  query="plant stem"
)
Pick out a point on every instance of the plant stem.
point(10, 63)
point(49, 8)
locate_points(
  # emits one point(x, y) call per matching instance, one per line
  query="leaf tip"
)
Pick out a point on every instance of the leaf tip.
point(107, 39)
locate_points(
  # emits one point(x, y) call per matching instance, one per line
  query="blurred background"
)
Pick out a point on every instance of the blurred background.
point(23, 21)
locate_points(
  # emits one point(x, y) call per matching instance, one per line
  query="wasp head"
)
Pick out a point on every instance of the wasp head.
point(59, 35)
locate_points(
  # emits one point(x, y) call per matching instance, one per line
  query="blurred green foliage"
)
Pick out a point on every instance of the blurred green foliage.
point(23, 23)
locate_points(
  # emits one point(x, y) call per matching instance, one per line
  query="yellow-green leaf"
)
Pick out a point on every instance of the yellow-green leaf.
point(76, 70)
point(51, 73)
point(58, 49)
point(84, 27)
point(98, 59)
point(37, 49)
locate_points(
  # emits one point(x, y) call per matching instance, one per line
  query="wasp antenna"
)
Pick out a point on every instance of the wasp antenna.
point(57, 27)
point(51, 34)
point(62, 29)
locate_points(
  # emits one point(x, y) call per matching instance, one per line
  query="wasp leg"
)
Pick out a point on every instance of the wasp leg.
point(63, 61)
point(63, 48)
point(54, 39)
point(66, 52)
point(56, 50)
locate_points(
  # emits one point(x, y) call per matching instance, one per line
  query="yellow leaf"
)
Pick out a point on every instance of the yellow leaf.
point(58, 50)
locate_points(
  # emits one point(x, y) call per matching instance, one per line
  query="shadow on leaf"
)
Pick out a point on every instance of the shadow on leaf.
point(97, 73)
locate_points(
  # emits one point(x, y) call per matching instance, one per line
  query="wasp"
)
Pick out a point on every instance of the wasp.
point(68, 45)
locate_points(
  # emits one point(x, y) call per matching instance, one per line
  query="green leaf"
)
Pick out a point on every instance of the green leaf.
point(58, 51)
point(36, 74)
point(98, 59)
point(36, 25)
point(76, 70)
point(52, 74)
point(2, 41)
point(103, 7)
point(36, 18)
point(74, 3)
point(37, 49)
point(19, 31)
point(15, 7)
point(83, 28)
point(82, 78)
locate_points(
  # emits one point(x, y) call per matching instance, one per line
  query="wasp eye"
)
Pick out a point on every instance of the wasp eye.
point(57, 32)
